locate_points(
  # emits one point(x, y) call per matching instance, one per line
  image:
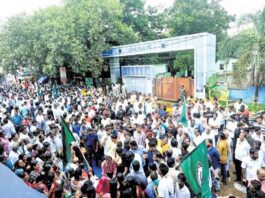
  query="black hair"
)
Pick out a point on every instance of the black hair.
point(153, 166)
point(257, 144)
point(78, 173)
point(88, 189)
point(152, 144)
point(153, 176)
point(174, 143)
point(171, 162)
point(120, 177)
point(129, 155)
point(136, 165)
point(159, 155)
point(222, 136)
point(153, 140)
point(163, 169)
point(119, 144)
point(184, 145)
point(133, 143)
point(246, 130)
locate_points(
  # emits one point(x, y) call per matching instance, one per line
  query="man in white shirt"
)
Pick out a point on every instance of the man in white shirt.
point(8, 128)
point(13, 155)
point(257, 135)
point(251, 164)
point(241, 152)
point(198, 138)
point(166, 186)
point(238, 105)
point(173, 173)
point(139, 136)
point(175, 150)
point(105, 121)
point(208, 135)
point(106, 141)
point(181, 189)
point(231, 126)
point(214, 124)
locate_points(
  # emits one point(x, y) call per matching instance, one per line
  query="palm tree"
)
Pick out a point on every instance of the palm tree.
point(259, 49)
point(252, 56)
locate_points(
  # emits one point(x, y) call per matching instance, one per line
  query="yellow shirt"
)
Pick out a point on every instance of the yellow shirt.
point(223, 148)
point(162, 149)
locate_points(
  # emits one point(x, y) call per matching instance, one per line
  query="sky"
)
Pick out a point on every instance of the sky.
point(234, 7)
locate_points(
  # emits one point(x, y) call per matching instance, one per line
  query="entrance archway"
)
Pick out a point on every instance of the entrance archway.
point(203, 44)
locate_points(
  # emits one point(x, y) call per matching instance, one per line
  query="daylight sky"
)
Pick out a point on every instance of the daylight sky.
point(11, 7)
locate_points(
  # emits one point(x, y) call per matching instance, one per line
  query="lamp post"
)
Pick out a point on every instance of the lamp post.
point(256, 75)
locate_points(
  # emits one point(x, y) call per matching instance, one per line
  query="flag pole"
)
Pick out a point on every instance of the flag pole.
point(83, 157)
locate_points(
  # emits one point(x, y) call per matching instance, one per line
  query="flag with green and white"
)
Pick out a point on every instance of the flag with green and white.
point(196, 170)
point(54, 91)
point(40, 93)
point(67, 138)
point(183, 116)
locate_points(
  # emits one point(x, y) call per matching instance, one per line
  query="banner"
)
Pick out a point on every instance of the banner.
point(63, 76)
point(196, 170)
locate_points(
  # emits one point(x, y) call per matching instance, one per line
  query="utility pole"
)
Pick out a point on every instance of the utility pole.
point(256, 77)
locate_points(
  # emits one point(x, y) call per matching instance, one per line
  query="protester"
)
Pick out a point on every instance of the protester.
point(125, 144)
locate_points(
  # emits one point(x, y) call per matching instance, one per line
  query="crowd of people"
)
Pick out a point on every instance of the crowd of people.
point(127, 145)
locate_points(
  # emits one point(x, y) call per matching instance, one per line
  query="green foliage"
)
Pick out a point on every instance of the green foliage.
point(14, 48)
point(147, 23)
point(184, 61)
point(249, 47)
point(196, 16)
point(255, 107)
point(215, 90)
point(73, 36)
point(235, 46)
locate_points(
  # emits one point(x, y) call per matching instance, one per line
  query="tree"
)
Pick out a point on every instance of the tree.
point(14, 50)
point(148, 23)
point(249, 48)
point(196, 16)
point(73, 35)
point(184, 61)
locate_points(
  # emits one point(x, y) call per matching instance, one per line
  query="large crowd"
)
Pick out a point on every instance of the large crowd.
point(127, 145)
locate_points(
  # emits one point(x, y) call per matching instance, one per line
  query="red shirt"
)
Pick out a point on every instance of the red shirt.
point(109, 167)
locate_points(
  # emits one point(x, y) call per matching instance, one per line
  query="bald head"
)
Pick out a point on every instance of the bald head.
point(261, 174)
point(226, 132)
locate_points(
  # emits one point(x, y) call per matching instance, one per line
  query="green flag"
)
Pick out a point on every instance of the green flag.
point(40, 94)
point(196, 170)
point(67, 138)
point(54, 91)
point(183, 115)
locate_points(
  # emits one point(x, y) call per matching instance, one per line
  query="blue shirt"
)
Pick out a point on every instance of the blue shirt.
point(76, 128)
point(9, 164)
point(24, 111)
point(91, 140)
point(162, 113)
point(215, 156)
point(150, 190)
point(17, 119)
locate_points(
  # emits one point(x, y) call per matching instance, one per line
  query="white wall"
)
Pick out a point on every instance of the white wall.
point(221, 67)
